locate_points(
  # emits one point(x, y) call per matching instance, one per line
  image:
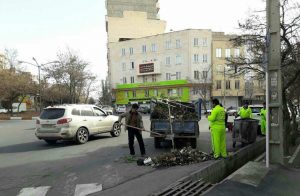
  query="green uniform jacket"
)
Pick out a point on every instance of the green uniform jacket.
point(217, 117)
point(245, 113)
point(263, 114)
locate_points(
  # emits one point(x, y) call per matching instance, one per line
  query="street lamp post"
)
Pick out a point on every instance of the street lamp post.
point(39, 76)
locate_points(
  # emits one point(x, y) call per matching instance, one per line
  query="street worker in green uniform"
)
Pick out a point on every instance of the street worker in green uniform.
point(218, 130)
point(263, 116)
point(245, 111)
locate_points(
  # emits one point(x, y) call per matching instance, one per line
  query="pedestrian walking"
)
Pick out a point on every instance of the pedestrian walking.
point(134, 119)
point(218, 130)
point(245, 111)
point(263, 115)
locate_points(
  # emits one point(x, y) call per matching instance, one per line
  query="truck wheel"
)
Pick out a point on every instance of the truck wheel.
point(157, 142)
point(194, 143)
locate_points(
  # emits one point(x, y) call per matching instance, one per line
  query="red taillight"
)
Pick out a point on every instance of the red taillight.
point(38, 121)
point(64, 121)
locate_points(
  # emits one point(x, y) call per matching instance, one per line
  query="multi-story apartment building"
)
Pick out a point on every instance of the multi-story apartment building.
point(129, 19)
point(227, 86)
point(170, 64)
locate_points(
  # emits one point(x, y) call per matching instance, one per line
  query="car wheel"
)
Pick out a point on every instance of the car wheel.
point(82, 135)
point(116, 130)
point(51, 142)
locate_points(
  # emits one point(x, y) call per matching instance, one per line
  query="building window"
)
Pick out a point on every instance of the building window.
point(204, 42)
point(205, 74)
point(168, 76)
point(124, 66)
point(145, 79)
point(196, 75)
point(227, 84)
point(219, 84)
point(195, 91)
point(155, 92)
point(130, 50)
point(132, 79)
point(236, 53)
point(132, 65)
point(133, 93)
point(178, 59)
point(196, 58)
point(124, 80)
point(123, 52)
point(168, 60)
point(153, 47)
point(126, 94)
point(178, 43)
point(237, 84)
point(144, 48)
point(227, 53)
point(153, 78)
point(179, 91)
point(178, 75)
point(204, 58)
point(168, 44)
point(146, 93)
point(218, 52)
point(196, 42)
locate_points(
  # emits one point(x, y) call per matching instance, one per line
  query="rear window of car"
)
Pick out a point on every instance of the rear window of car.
point(52, 113)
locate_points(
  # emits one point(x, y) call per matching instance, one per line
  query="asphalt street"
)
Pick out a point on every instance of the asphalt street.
point(29, 164)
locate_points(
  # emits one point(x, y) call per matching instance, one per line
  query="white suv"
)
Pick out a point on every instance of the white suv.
point(74, 122)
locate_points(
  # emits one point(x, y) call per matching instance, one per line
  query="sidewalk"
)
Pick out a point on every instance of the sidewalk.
point(255, 179)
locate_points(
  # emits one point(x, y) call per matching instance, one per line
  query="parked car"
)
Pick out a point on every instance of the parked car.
point(256, 111)
point(108, 109)
point(231, 111)
point(144, 109)
point(75, 122)
point(121, 109)
point(3, 110)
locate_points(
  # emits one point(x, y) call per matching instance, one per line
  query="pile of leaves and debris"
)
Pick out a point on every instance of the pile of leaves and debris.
point(185, 156)
point(179, 110)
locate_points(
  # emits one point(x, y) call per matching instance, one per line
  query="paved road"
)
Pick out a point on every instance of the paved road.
point(26, 162)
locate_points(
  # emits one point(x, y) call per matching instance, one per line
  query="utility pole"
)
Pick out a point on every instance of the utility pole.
point(224, 102)
point(275, 133)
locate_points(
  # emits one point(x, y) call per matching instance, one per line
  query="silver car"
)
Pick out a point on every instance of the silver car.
point(75, 122)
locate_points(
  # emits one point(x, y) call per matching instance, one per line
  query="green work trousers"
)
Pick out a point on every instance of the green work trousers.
point(218, 141)
point(263, 127)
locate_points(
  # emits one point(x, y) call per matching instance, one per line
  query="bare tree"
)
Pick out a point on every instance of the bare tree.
point(71, 72)
point(254, 38)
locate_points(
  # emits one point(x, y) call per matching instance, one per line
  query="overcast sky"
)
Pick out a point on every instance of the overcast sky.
point(40, 28)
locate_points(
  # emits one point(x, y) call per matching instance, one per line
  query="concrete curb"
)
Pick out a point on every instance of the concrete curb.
point(15, 118)
point(219, 170)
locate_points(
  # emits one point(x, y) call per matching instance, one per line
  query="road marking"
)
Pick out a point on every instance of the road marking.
point(86, 189)
point(34, 191)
